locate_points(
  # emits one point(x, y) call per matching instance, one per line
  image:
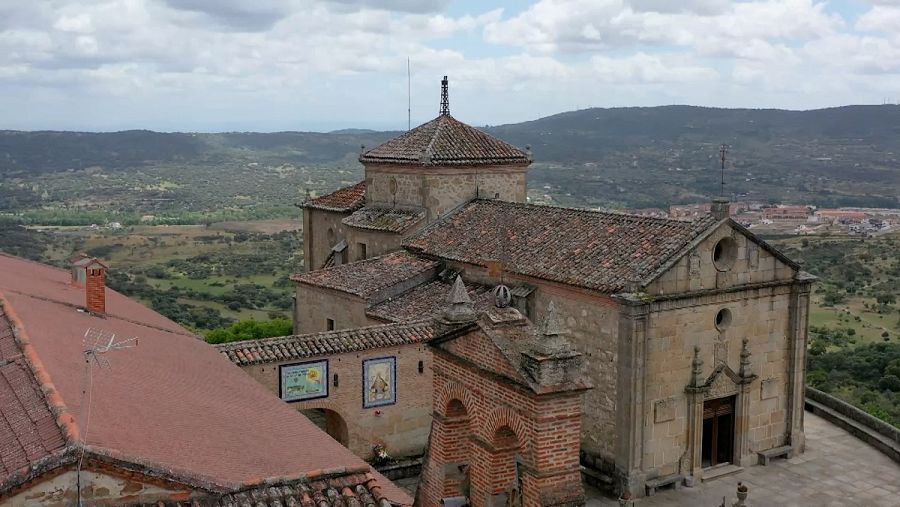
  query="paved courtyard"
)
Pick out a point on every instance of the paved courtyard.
point(837, 469)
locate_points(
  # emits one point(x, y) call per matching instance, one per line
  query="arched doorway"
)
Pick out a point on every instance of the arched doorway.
point(330, 422)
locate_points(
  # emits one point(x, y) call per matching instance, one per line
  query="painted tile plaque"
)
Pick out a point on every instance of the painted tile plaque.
point(379, 382)
point(303, 381)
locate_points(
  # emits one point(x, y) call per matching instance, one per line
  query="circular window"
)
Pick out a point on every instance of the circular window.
point(724, 254)
point(723, 319)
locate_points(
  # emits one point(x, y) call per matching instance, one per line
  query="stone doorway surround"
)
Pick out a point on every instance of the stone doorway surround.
point(721, 383)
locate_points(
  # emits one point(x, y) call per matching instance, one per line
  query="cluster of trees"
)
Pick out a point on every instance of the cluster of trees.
point(250, 330)
point(867, 375)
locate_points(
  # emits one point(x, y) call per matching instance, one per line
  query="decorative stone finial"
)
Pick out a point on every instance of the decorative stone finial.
point(696, 368)
point(551, 327)
point(502, 296)
point(745, 359)
point(460, 307)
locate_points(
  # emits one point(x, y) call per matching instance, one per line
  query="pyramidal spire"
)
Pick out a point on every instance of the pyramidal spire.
point(551, 326)
point(460, 307)
point(445, 97)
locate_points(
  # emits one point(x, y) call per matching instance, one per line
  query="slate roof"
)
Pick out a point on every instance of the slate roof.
point(445, 141)
point(345, 489)
point(343, 199)
point(385, 219)
point(605, 251)
point(285, 348)
point(427, 299)
point(365, 278)
point(144, 407)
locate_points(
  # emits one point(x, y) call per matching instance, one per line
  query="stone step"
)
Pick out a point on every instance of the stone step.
point(720, 471)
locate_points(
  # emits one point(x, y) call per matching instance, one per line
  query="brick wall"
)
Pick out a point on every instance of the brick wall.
point(484, 421)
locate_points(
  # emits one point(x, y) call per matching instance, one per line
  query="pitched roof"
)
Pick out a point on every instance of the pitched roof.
point(605, 251)
point(28, 429)
point(343, 199)
point(345, 489)
point(365, 278)
point(385, 219)
point(445, 141)
point(172, 403)
point(427, 299)
point(285, 348)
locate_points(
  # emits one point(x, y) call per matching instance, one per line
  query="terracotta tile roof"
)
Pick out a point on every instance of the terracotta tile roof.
point(365, 278)
point(144, 408)
point(284, 348)
point(385, 219)
point(427, 299)
point(605, 251)
point(28, 429)
point(343, 199)
point(359, 489)
point(445, 141)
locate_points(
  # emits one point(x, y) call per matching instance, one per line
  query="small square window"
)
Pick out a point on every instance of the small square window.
point(361, 248)
point(329, 324)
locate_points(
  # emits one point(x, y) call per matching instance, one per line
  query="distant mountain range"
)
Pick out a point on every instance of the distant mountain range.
point(843, 155)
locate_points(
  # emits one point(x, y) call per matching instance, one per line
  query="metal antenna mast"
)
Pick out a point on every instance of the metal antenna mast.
point(408, 96)
point(723, 151)
point(97, 343)
point(445, 97)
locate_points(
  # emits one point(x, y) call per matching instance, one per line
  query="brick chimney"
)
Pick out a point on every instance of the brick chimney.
point(95, 287)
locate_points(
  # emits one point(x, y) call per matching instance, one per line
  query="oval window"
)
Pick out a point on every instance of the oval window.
point(724, 254)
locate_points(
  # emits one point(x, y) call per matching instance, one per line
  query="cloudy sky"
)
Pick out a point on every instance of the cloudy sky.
point(265, 65)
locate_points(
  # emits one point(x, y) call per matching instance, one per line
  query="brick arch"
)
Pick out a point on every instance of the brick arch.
point(312, 405)
point(453, 391)
point(501, 417)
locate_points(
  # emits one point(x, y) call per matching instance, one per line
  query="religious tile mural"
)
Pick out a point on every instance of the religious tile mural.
point(303, 381)
point(379, 382)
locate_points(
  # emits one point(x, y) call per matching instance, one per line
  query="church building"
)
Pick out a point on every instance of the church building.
point(692, 333)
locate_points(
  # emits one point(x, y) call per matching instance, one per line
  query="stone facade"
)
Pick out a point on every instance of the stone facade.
point(323, 230)
point(314, 307)
point(440, 189)
point(402, 427)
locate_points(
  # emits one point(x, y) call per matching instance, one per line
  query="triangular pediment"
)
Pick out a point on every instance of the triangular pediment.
point(723, 381)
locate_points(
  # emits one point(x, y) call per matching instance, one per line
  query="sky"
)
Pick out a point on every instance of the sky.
point(272, 65)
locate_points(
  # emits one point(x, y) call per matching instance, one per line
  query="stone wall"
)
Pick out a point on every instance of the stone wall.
point(402, 427)
point(321, 231)
point(675, 328)
point(591, 323)
point(315, 304)
point(441, 189)
point(697, 270)
point(60, 491)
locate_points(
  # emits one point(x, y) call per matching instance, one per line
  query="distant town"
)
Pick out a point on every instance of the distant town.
point(792, 219)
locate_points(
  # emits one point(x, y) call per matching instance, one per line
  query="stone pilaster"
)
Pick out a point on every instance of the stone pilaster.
point(630, 397)
point(797, 341)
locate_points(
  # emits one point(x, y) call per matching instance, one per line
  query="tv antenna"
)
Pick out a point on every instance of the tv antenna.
point(723, 152)
point(97, 343)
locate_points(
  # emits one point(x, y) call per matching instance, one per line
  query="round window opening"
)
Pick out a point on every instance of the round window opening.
point(723, 319)
point(724, 254)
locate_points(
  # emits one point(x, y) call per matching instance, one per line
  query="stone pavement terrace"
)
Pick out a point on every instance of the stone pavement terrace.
point(837, 469)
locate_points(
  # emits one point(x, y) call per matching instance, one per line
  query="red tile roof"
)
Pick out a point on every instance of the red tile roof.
point(445, 141)
point(427, 299)
point(285, 348)
point(343, 199)
point(385, 219)
point(365, 278)
point(342, 490)
point(604, 251)
point(28, 429)
point(172, 403)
